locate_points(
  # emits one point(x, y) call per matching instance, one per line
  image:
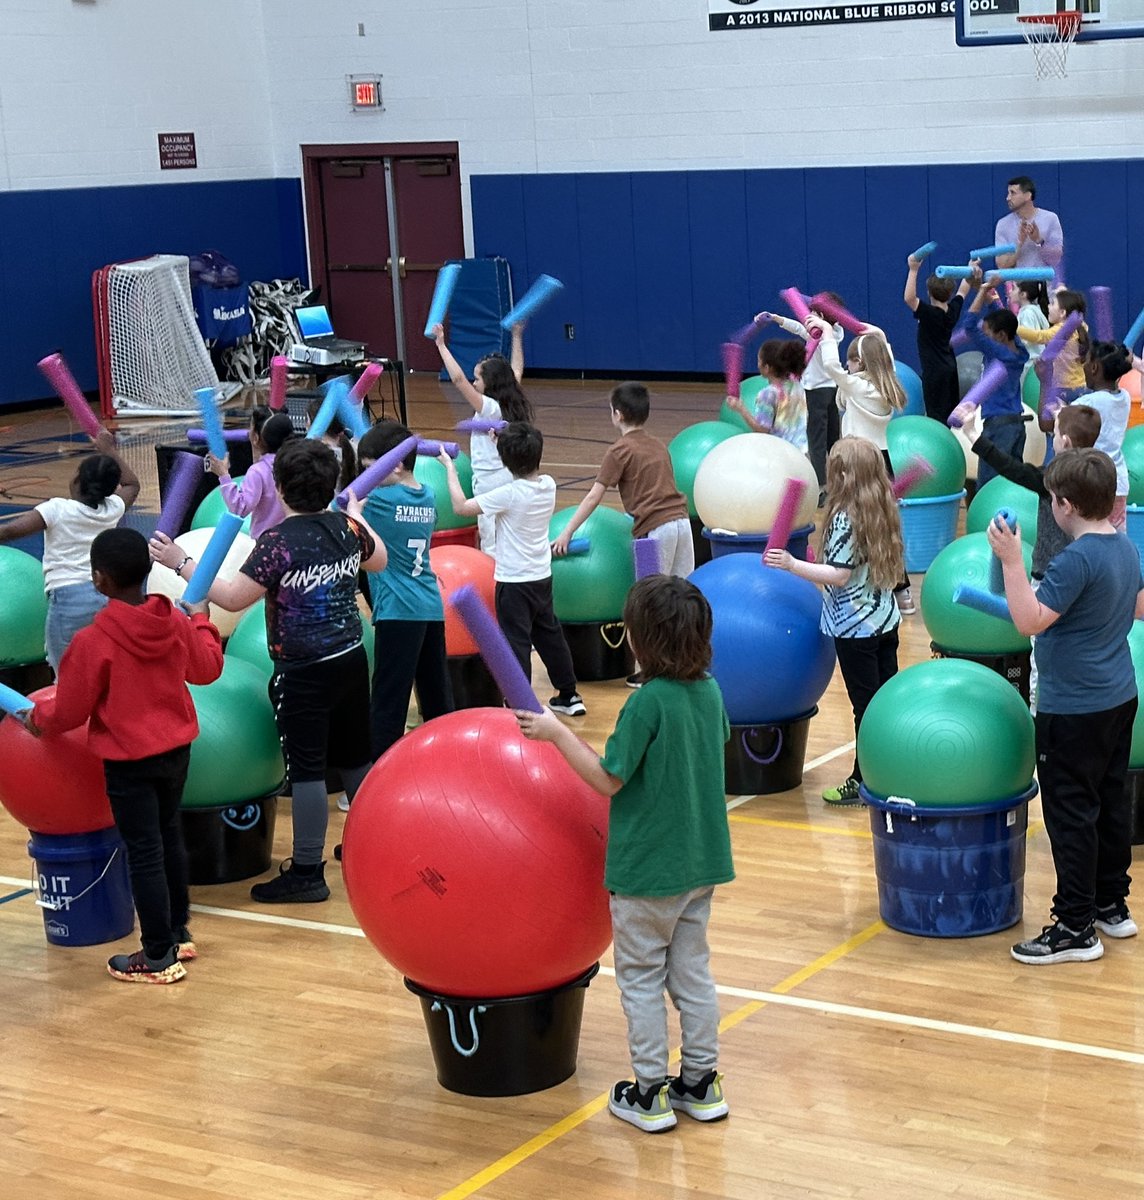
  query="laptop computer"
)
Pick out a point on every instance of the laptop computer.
point(317, 341)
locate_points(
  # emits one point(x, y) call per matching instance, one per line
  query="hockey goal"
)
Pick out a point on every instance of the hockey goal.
point(150, 354)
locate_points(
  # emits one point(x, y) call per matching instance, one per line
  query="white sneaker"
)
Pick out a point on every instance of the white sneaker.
point(905, 599)
point(343, 803)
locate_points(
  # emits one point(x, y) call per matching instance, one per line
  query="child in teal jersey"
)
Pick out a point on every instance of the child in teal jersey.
point(668, 846)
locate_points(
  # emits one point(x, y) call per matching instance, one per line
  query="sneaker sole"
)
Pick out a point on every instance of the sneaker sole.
point(1081, 954)
point(569, 712)
point(1125, 929)
point(855, 803)
point(714, 1111)
point(186, 952)
point(649, 1124)
point(171, 974)
point(314, 897)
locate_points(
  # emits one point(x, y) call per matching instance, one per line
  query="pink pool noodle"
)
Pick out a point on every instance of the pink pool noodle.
point(646, 552)
point(278, 371)
point(479, 425)
point(495, 650)
point(182, 483)
point(1101, 298)
point(991, 379)
point(366, 380)
point(785, 517)
point(745, 334)
point(733, 368)
point(431, 448)
point(914, 472)
point(796, 302)
point(813, 341)
point(58, 375)
point(837, 314)
point(376, 472)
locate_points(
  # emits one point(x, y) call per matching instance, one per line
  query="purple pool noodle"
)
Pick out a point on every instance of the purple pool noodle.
point(996, 570)
point(982, 601)
point(11, 701)
point(646, 552)
point(376, 472)
point(495, 650)
point(1101, 298)
point(198, 436)
point(227, 529)
point(748, 331)
point(1059, 339)
point(479, 425)
point(540, 293)
point(430, 448)
point(991, 379)
point(212, 422)
point(182, 483)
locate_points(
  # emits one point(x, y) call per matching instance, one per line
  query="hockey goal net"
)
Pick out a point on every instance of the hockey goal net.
point(150, 354)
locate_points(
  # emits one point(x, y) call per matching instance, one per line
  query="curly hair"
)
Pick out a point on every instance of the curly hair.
point(857, 484)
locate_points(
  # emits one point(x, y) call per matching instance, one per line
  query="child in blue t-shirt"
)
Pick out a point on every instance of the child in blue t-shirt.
point(408, 617)
point(668, 846)
point(1086, 703)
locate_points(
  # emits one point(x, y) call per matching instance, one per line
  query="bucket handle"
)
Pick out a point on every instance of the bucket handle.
point(613, 625)
point(763, 762)
point(54, 905)
point(437, 1006)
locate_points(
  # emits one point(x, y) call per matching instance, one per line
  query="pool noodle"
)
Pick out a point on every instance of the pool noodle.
point(278, 371)
point(430, 448)
point(646, 553)
point(182, 483)
point(443, 290)
point(540, 293)
point(207, 568)
point(982, 601)
point(58, 375)
point(495, 650)
point(12, 701)
point(376, 472)
point(212, 422)
point(784, 519)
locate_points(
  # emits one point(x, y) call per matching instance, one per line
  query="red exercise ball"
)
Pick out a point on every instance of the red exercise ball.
point(455, 566)
point(52, 785)
point(474, 859)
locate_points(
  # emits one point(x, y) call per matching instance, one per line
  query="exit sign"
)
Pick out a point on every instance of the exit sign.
point(365, 92)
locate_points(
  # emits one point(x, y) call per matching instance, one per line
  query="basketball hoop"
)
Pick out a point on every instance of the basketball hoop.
point(1050, 35)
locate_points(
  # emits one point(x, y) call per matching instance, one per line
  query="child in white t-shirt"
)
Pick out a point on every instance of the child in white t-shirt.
point(522, 509)
point(1104, 366)
point(103, 488)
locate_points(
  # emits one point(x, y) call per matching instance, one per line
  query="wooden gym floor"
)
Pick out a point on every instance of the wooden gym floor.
point(293, 1065)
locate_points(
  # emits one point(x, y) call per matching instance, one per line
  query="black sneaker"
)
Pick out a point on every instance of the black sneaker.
point(338, 852)
point(570, 706)
point(138, 968)
point(636, 680)
point(293, 886)
point(185, 945)
point(703, 1100)
point(650, 1111)
point(1058, 943)
point(1116, 921)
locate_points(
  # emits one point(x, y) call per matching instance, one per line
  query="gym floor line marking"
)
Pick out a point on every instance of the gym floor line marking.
point(817, 762)
point(547, 1136)
point(803, 826)
point(15, 895)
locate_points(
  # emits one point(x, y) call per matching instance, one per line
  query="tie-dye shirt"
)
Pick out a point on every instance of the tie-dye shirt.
point(857, 609)
point(309, 567)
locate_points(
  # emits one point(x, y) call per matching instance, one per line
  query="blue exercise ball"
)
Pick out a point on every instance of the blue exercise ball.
point(912, 385)
point(770, 660)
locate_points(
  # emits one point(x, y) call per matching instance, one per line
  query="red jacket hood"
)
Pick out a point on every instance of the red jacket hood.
point(144, 629)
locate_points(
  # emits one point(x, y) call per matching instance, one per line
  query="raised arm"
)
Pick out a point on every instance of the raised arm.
point(456, 375)
point(910, 293)
point(128, 489)
point(517, 359)
point(463, 506)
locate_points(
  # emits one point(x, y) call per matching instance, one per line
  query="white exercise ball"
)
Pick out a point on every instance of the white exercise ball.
point(740, 483)
point(163, 581)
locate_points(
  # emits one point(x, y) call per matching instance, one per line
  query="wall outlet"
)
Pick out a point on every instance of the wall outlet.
point(570, 333)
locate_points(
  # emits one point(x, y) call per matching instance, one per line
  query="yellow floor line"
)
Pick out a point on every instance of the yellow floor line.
point(566, 1124)
point(801, 826)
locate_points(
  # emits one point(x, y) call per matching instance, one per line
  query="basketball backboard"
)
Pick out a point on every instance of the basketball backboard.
point(994, 22)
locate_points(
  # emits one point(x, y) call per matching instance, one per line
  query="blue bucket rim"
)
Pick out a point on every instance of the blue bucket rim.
point(59, 847)
point(919, 500)
point(712, 536)
point(903, 807)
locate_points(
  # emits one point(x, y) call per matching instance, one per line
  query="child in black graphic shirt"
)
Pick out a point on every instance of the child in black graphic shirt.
point(307, 569)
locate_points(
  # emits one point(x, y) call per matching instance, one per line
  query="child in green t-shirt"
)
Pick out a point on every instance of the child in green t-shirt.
point(668, 846)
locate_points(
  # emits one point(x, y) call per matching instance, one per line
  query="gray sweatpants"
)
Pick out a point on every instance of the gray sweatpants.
point(661, 942)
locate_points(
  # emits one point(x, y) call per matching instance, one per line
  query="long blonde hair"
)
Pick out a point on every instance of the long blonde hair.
point(857, 484)
point(878, 367)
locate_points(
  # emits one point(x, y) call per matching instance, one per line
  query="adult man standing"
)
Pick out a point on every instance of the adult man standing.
point(1036, 232)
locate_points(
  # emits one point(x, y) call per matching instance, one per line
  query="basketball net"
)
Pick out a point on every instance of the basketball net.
point(1050, 35)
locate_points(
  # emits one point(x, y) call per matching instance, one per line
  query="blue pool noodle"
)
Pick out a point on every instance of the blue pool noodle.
point(208, 566)
point(443, 290)
point(212, 422)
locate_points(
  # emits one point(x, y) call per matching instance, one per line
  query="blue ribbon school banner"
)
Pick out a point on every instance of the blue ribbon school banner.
point(765, 14)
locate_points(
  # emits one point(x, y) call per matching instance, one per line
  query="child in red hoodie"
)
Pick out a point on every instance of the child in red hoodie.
point(126, 675)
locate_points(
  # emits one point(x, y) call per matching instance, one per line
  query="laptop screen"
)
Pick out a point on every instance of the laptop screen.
point(313, 322)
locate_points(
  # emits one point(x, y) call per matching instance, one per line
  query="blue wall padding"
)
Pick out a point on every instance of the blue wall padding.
point(52, 241)
point(482, 296)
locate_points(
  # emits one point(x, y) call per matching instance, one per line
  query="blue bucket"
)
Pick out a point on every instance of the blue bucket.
point(1134, 526)
point(950, 872)
point(723, 542)
point(929, 524)
point(84, 887)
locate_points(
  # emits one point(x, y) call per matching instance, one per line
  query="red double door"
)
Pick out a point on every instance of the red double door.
point(381, 220)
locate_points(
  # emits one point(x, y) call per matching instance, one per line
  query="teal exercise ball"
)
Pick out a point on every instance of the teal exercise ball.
point(946, 733)
point(23, 608)
point(248, 641)
point(912, 385)
point(430, 472)
point(923, 437)
point(1136, 646)
point(211, 509)
point(1031, 390)
point(1133, 449)
point(749, 391)
point(954, 627)
point(593, 586)
point(237, 755)
point(1000, 492)
point(688, 449)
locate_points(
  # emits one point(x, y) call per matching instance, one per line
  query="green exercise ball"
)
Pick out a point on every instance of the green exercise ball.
point(946, 733)
point(593, 586)
point(211, 509)
point(23, 608)
point(1133, 449)
point(915, 436)
point(1003, 493)
point(749, 390)
point(687, 450)
point(237, 755)
point(954, 627)
point(1136, 646)
point(248, 642)
point(1031, 390)
point(430, 472)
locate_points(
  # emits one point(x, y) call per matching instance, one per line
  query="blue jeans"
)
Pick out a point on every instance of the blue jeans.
point(1007, 433)
point(69, 610)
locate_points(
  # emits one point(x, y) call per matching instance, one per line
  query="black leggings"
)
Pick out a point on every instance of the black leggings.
point(524, 612)
point(866, 663)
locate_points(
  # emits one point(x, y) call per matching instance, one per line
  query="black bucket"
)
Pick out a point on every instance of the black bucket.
point(232, 841)
point(762, 759)
point(599, 649)
point(505, 1046)
point(473, 685)
point(1135, 786)
point(1013, 668)
point(701, 544)
point(27, 678)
